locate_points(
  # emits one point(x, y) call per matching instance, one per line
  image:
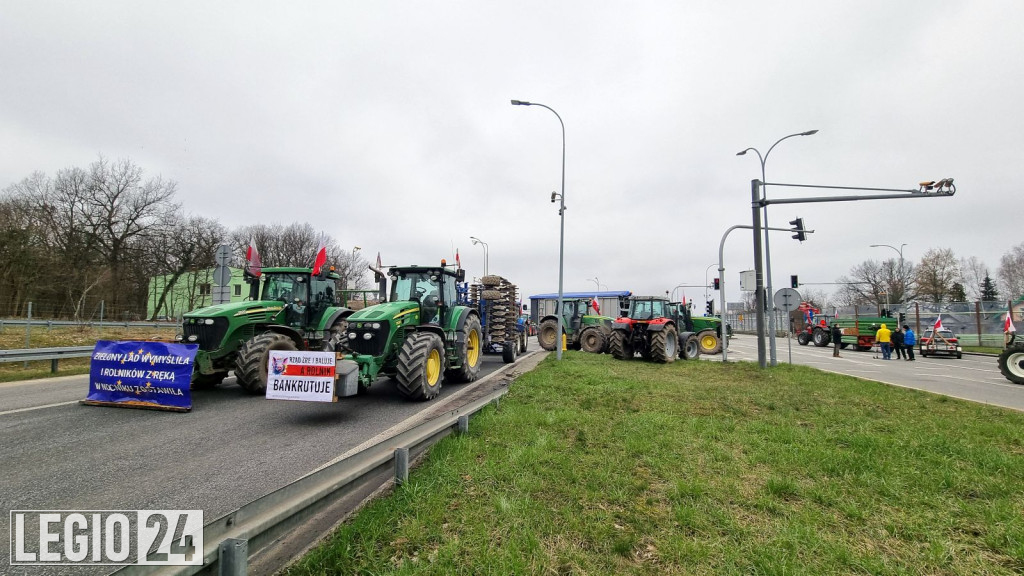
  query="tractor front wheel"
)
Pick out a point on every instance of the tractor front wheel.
point(689, 349)
point(336, 335)
point(619, 346)
point(547, 336)
point(592, 340)
point(803, 339)
point(709, 342)
point(470, 348)
point(524, 340)
point(1011, 364)
point(664, 345)
point(251, 365)
point(420, 364)
point(508, 352)
point(821, 338)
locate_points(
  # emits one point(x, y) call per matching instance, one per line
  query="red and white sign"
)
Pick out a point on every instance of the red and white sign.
point(306, 376)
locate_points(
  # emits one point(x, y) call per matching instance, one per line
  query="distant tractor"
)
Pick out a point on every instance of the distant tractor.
point(709, 333)
point(648, 329)
point(810, 326)
point(287, 309)
point(497, 302)
point(583, 331)
point(421, 336)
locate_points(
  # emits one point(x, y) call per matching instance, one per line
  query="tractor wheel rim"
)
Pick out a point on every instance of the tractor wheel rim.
point(473, 348)
point(707, 342)
point(1015, 363)
point(433, 367)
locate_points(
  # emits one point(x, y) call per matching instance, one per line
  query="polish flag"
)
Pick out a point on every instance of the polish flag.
point(321, 256)
point(1008, 324)
point(458, 263)
point(595, 305)
point(938, 323)
point(252, 259)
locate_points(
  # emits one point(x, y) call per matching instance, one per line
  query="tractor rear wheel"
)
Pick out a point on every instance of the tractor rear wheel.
point(664, 345)
point(251, 364)
point(524, 341)
point(469, 351)
point(619, 346)
point(207, 381)
point(420, 364)
point(547, 336)
point(592, 340)
point(803, 338)
point(709, 342)
point(1011, 364)
point(689, 349)
point(821, 338)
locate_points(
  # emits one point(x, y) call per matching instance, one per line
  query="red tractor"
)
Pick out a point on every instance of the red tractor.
point(648, 329)
point(809, 326)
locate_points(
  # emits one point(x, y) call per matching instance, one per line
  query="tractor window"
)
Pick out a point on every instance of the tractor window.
point(285, 287)
point(414, 286)
point(657, 309)
point(641, 310)
point(448, 298)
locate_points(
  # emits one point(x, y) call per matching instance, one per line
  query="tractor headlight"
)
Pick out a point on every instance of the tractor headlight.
point(208, 321)
point(376, 326)
point(351, 335)
point(367, 336)
point(193, 338)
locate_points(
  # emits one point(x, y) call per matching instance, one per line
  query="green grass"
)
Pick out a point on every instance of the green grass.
point(983, 349)
point(596, 466)
point(60, 336)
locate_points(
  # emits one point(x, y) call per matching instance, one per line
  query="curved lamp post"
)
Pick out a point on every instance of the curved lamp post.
point(487, 257)
point(903, 284)
point(767, 252)
point(561, 214)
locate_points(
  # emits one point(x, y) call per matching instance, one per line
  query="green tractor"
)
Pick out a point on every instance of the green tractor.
point(420, 336)
point(709, 333)
point(287, 309)
point(588, 332)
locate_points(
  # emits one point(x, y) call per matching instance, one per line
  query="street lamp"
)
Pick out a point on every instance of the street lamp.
point(351, 270)
point(706, 281)
point(487, 258)
point(767, 251)
point(596, 282)
point(903, 283)
point(561, 214)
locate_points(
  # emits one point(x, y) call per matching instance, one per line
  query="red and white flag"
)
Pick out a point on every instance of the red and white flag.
point(252, 259)
point(595, 305)
point(1008, 324)
point(458, 263)
point(938, 323)
point(321, 256)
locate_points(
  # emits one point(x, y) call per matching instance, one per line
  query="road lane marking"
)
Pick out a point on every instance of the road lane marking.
point(38, 407)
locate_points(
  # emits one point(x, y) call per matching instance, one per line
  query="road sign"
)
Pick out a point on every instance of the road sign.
point(223, 255)
point(221, 276)
point(787, 299)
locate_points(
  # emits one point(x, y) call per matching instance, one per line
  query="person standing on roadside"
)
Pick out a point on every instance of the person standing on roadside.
point(898, 343)
point(884, 339)
point(909, 339)
point(837, 337)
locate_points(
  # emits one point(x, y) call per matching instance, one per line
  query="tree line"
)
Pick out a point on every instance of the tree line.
point(101, 232)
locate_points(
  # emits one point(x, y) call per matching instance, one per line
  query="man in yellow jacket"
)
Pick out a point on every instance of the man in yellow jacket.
point(884, 339)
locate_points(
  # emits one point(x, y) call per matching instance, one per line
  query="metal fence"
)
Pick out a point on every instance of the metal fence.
point(976, 323)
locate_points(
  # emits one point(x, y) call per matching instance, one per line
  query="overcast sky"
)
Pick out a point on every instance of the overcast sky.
point(388, 124)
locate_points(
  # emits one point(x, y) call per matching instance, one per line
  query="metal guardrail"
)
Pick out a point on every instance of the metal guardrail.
point(51, 354)
point(4, 322)
point(262, 521)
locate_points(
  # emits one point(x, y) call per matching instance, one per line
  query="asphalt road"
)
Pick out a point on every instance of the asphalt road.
point(229, 450)
point(972, 377)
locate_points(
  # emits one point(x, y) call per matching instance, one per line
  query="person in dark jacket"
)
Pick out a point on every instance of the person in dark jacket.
point(898, 337)
point(909, 339)
point(837, 337)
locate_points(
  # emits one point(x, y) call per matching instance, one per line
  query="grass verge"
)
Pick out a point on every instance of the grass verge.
point(596, 466)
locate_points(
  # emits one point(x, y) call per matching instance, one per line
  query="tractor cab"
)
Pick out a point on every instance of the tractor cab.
point(305, 297)
point(433, 289)
point(646, 309)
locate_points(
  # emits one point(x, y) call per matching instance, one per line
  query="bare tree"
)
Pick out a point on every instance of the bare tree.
point(1011, 272)
point(872, 282)
point(936, 275)
point(188, 245)
point(974, 273)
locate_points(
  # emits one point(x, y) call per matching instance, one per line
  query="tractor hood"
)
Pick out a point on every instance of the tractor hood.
point(262, 311)
point(385, 311)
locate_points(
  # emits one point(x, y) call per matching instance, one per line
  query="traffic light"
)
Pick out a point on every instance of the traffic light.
point(798, 227)
point(794, 282)
point(710, 308)
point(716, 283)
